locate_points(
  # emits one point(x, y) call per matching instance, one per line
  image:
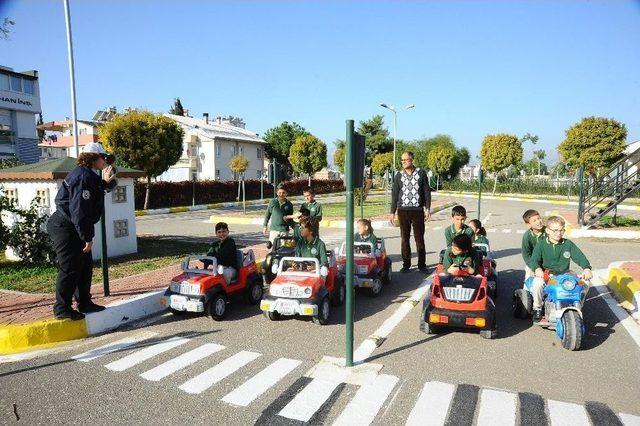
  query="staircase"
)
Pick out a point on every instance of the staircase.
point(601, 195)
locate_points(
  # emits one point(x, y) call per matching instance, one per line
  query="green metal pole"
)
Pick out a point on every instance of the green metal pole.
point(479, 190)
point(362, 203)
point(274, 178)
point(105, 261)
point(349, 245)
point(580, 177)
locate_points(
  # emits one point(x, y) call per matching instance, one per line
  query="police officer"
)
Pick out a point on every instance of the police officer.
point(79, 206)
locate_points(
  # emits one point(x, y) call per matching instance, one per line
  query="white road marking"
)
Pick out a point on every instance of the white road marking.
point(144, 354)
point(567, 414)
point(364, 406)
point(246, 393)
point(629, 420)
point(491, 230)
point(486, 219)
point(521, 231)
point(432, 405)
point(108, 348)
point(497, 408)
point(506, 231)
point(204, 381)
point(180, 362)
point(310, 399)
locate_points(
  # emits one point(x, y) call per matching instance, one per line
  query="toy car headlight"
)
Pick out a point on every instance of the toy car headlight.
point(307, 291)
point(568, 285)
point(220, 269)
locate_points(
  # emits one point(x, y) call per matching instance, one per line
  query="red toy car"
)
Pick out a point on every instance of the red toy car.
point(460, 301)
point(372, 267)
point(302, 287)
point(206, 290)
point(488, 269)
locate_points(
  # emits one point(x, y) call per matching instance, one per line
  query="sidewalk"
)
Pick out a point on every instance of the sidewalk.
point(26, 320)
point(623, 278)
point(575, 230)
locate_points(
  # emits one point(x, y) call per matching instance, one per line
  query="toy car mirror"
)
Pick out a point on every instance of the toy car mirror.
point(274, 268)
point(269, 245)
point(220, 269)
point(324, 271)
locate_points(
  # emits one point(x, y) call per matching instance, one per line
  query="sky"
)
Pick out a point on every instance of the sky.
point(471, 68)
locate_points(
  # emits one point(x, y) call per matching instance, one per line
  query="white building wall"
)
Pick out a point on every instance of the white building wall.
point(113, 211)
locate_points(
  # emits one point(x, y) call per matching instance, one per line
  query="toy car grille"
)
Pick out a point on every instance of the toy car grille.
point(458, 294)
point(362, 269)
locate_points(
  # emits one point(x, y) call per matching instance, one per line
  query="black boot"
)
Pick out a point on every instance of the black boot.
point(70, 314)
point(90, 308)
point(537, 315)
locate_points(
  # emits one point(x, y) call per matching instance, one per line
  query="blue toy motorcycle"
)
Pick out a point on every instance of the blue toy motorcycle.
point(564, 296)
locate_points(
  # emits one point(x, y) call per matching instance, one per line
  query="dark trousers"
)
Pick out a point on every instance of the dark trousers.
point(74, 267)
point(415, 218)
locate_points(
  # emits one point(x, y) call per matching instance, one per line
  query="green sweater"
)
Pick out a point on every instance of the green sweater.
point(451, 232)
point(557, 257)
point(480, 239)
point(225, 252)
point(529, 241)
point(473, 259)
point(276, 212)
point(315, 209)
point(314, 248)
point(357, 238)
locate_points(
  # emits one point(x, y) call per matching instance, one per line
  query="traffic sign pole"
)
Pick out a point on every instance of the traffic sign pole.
point(349, 151)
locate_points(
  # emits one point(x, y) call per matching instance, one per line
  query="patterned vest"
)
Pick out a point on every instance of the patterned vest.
point(410, 195)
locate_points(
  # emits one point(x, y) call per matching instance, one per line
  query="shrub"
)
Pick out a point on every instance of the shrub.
point(27, 235)
point(514, 186)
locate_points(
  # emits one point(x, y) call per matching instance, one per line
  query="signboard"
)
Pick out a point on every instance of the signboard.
point(19, 101)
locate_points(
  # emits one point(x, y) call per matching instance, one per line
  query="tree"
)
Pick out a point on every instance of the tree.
point(6, 163)
point(177, 108)
point(594, 143)
point(146, 141)
point(308, 155)
point(338, 155)
point(377, 139)
point(499, 152)
point(279, 141)
point(539, 155)
point(238, 164)
point(382, 163)
point(5, 28)
point(41, 133)
point(440, 160)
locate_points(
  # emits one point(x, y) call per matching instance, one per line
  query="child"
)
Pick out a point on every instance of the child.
point(458, 216)
point(314, 207)
point(365, 233)
point(308, 244)
point(278, 212)
point(554, 253)
point(461, 256)
point(479, 234)
point(531, 237)
point(224, 250)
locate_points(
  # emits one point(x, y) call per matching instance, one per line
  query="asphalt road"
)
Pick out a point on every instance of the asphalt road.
point(247, 370)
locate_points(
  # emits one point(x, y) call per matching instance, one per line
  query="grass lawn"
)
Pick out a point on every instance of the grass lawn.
point(621, 222)
point(153, 253)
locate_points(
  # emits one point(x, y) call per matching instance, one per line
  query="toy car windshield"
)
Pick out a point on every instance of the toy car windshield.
point(362, 248)
point(284, 241)
point(201, 264)
point(299, 266)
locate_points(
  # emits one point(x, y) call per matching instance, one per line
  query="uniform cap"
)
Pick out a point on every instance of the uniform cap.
point(94, 147)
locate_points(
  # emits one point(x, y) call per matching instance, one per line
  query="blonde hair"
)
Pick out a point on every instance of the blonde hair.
point(556, 219)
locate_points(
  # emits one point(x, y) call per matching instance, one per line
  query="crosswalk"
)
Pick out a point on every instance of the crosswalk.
point(310, 397)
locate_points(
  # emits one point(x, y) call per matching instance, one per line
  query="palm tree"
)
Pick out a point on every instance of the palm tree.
point(539, 154)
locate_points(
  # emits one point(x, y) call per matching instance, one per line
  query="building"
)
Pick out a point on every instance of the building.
point(327, 173)
point(468, 173)
point(58, 141)
point(19, 105)
point(24, 183)
point(209, 145)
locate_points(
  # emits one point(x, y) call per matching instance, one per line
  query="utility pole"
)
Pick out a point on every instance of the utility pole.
point(72, 77)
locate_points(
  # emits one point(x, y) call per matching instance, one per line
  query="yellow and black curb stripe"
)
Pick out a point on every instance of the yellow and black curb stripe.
point(625, 288)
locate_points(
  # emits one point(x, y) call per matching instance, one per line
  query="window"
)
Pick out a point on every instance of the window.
point(217, 150)
point(4, 82)
point(217, 173)
point(259, 174)
point(43, 197)
point(12, 195)
point(82, 131)
point(119, 194)
point(259, 152)
point(28, 86)
point(16, 84)
point(120, 228)
point(241, 150)
point(233, 150)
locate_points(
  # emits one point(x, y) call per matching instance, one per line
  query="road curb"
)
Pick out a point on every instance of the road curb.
point(533, 198)
point(624, 287)
point(572, 232)
point(339, 224)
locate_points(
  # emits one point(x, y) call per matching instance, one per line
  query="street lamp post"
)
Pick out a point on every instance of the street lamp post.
point(395, 129)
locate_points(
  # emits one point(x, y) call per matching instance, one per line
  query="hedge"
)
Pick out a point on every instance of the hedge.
point(176, 194)
point(513, 186)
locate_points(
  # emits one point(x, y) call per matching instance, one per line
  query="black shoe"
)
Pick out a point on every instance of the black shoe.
point(404, 270)
point(90, 308)
point(70, 314)
point(423, 269)
point(537, 315)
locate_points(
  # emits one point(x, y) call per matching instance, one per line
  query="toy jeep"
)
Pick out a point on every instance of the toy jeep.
point(372, 267)
point(282, 246)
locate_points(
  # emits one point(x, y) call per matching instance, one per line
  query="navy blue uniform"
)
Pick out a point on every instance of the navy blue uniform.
point(79, 205)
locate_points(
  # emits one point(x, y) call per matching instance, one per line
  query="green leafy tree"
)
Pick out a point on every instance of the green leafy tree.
point(41, 133)
point(594, 143)
point(6, 163)
point(382, 163)
point(308, 155)
point(499, 152)
point(177, 108)
point(279, 141)
point(539, 155)
point(440, 160)
point(238, 164)
point(5, 28)
point(338, 155)
point(376, 135)
point(146, 141)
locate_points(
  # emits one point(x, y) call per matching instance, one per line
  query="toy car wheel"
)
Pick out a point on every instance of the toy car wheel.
point(427, 328)
point(217, 306)
point(494, 278)
point(386, 279)
point(254, 290)
point(324, 311)
point(490, 334)
point(376, 287)
point(522, 303)
point(572, 328)
point(340, 292)
point(272, 316)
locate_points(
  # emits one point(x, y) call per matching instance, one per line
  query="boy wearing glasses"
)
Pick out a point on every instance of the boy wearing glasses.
point(555, 253)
